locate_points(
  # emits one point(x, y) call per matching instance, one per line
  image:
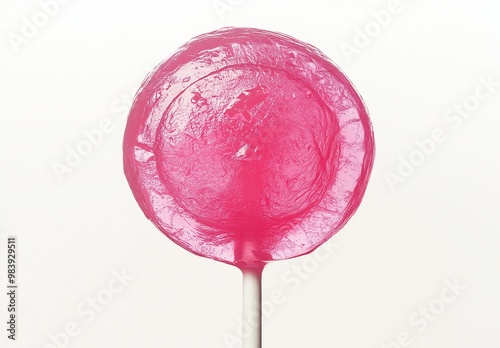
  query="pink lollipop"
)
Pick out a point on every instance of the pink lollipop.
point(248, 146)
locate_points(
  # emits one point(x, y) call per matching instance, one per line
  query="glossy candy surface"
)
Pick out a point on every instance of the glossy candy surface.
point(248, 146)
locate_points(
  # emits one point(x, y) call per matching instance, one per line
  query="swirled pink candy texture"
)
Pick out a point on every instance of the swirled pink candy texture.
point(248, 146)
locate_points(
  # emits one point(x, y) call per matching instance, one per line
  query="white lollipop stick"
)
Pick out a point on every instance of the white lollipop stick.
point(252, 307)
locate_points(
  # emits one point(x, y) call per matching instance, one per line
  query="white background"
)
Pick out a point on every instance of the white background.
point(439, 222)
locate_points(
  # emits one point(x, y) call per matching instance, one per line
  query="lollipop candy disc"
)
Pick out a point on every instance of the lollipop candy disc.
point(247, 146)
